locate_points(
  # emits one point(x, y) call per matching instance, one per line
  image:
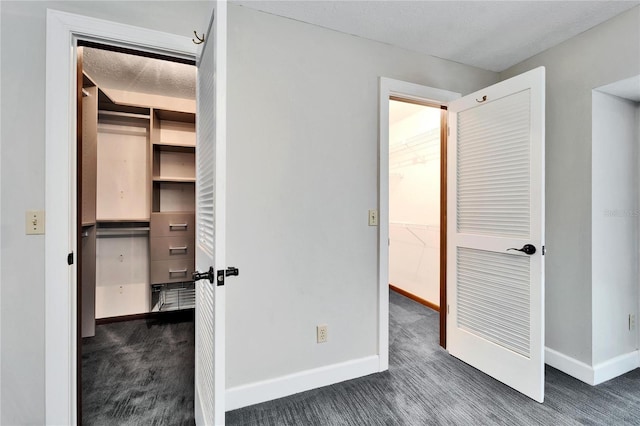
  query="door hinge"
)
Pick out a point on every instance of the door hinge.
point(448, 131)
point(447, 309)
point(544, 250)
point(70, 259)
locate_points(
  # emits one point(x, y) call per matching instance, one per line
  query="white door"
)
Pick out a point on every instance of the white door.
point(495, 204)
point(210, 222)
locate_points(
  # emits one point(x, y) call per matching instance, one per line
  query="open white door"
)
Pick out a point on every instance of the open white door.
point(496, 205)
point(210, 223)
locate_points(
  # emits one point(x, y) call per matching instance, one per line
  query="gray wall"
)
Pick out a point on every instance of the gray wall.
point(615, 225)
point(22, 165)
point(303, 167)
point(602, 55)
point(303, 172)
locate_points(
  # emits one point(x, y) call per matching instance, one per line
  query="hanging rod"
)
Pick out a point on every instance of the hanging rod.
point(123, 114)
point(121, 232)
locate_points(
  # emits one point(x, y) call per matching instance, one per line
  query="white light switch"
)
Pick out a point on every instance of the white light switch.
point(373, 217)
point(34, 222)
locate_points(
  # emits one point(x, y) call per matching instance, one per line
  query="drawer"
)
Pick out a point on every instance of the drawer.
point(165, 248)
point(171, 271)
point(172, 224)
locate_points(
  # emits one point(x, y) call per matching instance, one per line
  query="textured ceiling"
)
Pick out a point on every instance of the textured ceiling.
point(492, 35)
point(113, 70)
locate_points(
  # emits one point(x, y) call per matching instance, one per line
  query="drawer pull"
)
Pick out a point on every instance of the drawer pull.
point(177, 225)
point(183, 248)
point(177, 271)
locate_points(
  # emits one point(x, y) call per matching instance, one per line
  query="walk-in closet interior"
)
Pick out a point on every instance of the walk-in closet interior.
point(414, 200)
point(137, 184)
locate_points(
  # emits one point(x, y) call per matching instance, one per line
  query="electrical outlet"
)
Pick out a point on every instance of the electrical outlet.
point(322, 333)
point(373, 217)
point(632, 321)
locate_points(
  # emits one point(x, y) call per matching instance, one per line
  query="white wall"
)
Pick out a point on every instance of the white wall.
point(414, 203)
point(604, 54)
point(22, 84)
point(614, 225)
point(302, 155)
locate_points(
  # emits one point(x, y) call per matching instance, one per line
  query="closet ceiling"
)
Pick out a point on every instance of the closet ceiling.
point(492, 35)
point(114, 70)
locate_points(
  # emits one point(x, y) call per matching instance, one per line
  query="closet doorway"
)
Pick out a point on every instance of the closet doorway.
point(417, 202)
point(136, 193)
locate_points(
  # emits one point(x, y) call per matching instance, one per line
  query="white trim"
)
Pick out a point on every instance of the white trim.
point(615, 367)
point(267, 390)
point(597, 374)
point(568, 365)
point(0, 255)
point(63, 30)
point(389, 87)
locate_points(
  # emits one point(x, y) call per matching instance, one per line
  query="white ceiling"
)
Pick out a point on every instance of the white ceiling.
point(492, 35)
point(114, 70)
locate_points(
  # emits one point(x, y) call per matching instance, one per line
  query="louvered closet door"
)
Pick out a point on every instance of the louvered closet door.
point(210, 222)
point(496, 203)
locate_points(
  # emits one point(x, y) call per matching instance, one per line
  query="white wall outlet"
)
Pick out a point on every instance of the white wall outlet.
point(632, 321)
point(373, 217)
point(322, 333)
point(34, 222)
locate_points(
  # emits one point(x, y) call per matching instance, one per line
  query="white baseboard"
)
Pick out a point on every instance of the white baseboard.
point(568, 365)
point(596, 374)
point(615, 367)
point(267, 390)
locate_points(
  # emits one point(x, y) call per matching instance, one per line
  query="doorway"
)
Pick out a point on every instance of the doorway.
point(61, 245)
point(406, 92)
point(414, 200)
point(136, 215)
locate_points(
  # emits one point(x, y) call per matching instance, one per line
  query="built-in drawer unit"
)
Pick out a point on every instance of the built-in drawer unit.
point(167, 248)
point(171, 271)
point(172, 224)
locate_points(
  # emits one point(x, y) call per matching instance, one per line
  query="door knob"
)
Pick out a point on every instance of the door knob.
point(527, 249)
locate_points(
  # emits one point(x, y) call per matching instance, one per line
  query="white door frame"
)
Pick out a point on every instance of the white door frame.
point(63, 31)
point(390, 87)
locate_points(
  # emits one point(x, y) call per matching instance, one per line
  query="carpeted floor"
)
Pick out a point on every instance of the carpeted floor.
point(139, 372)
point(125, 385)
point(427, 386)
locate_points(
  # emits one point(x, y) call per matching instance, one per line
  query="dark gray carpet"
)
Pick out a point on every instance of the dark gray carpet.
point(139, 372)
point(426, 386)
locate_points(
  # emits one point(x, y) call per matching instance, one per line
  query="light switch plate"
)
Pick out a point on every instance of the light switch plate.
point(34, 222)
point(373, 217)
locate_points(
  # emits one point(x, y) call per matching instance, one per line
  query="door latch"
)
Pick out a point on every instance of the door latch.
point(197, 276)
point(230, 271)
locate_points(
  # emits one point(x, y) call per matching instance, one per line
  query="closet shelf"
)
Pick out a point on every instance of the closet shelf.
point(122, 232)
point(415, 226)
point(128, 220)
point(412, 227)
point(174, 179)
point(174, 147)
point(123, 114)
